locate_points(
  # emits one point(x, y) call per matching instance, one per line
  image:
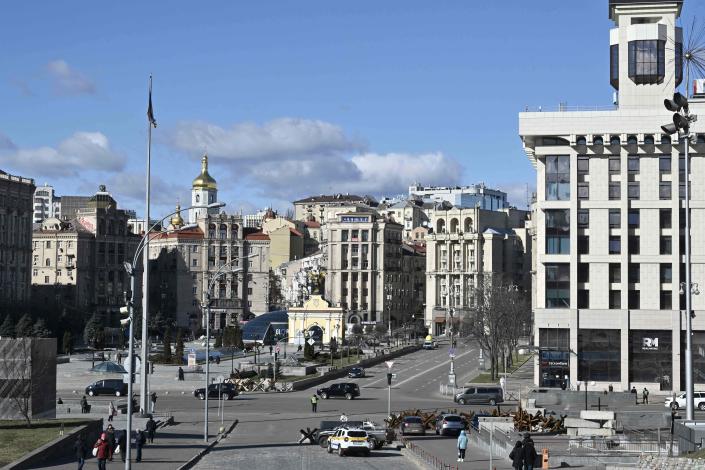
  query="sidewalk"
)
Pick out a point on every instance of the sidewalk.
point(173, 446)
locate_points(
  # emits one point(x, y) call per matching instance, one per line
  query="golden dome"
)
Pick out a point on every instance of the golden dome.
point(204, 180)
point(176, 220)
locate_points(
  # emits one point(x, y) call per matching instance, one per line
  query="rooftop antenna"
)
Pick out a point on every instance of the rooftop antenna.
point(692, 53)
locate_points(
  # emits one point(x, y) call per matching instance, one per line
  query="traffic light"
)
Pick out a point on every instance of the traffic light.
point(681, 117)
point(125, 316)
point(389, 379)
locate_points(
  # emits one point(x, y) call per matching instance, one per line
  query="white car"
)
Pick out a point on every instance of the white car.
point(348, 441)
point(698, 398)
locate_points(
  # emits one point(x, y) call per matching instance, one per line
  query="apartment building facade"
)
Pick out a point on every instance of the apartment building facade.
point(610, 231)
point(46, 203)
point(16, 212)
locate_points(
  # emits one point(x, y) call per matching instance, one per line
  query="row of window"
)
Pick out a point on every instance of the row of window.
point(633, 299)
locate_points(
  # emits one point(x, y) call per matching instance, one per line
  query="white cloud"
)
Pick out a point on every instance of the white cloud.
point(68, 81)
point(273, 140)
point(80, 152)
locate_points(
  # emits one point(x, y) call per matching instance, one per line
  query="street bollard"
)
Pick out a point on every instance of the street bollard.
point(544, 458)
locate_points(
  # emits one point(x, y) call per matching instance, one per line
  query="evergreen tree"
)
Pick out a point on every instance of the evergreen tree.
point(24, 326)
point(93, 332)
point(67, 343)
point(7, 329)
point(40, 330)
point(167, 345)
point(308, 351)
point(179, 354)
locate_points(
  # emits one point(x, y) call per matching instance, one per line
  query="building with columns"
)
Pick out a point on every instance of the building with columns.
point(610, 266)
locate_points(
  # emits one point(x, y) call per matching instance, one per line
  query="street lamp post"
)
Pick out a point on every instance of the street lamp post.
point(451, 372)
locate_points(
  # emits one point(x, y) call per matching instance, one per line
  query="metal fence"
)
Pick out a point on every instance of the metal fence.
point(620, 445)
point(428, 458)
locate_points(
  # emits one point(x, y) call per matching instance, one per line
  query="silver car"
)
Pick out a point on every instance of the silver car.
point(412, 425)
point(450, 424)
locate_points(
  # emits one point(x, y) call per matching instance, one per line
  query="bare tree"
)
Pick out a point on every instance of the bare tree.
point(16, 369)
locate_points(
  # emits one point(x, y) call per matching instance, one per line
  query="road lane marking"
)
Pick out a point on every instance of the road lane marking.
point(428, 370)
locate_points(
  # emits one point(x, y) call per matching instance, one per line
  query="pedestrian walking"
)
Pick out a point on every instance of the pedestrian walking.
point(111, 411)
point(84, 405)
point(122, 444)
point(110, 438)
point(101, 451)
point(139, 443)
point(270, 350)
point(517, 456)
point(343, 418)
point(153, 398)
point(633, 390)
point(181, 374)
point(80, 449)
point(645, 396)
point(462, 445)
point(314, 403)
point(217, 359)
point(151, 429)
point(529, 454)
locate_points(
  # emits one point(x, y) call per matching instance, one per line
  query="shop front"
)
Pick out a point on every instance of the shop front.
point(554, 357)
point(651, 357)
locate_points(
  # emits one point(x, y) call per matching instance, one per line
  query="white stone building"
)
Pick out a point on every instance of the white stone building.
point(46, 203)
point(610, 219)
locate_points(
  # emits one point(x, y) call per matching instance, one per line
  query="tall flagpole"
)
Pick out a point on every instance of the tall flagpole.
point(144, 398)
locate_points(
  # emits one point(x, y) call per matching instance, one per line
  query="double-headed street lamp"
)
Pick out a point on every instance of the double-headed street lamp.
point(682, 119)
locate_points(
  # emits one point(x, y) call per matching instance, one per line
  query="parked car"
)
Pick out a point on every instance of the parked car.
point(348, 441)
point(698, 399)
point(412, 425)
point(347, 390)
point(225, 390)
point(450, 424)
point(488, 395)
point(107, 387)
point(356, 372)
point(429, 345)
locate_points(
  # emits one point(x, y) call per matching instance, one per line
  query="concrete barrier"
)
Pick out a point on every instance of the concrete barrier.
point(58, 449)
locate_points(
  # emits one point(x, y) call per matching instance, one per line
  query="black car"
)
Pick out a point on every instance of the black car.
point(356, 372)
point(224, 390)
point(107, 387)
point(347, 390)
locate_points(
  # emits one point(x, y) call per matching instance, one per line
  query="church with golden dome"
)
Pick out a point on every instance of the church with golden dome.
point(204, 191)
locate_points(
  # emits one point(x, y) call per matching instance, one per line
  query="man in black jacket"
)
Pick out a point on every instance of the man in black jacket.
point(529, 454)
point(80, 448)
point(151, 428)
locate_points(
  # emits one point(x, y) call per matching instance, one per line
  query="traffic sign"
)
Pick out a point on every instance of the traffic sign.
point(394, 376)
point(451, 352)
point(311, 341)
point(389, 364)
point(277, 349)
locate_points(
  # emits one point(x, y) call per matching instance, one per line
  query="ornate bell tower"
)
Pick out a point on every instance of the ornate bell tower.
point(204, 191)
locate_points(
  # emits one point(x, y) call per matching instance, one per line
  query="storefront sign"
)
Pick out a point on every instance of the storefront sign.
point(649, 344)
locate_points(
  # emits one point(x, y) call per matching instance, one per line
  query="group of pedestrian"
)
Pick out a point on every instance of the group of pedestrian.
point(112, 442)
point(644, 394)
point(523, 455)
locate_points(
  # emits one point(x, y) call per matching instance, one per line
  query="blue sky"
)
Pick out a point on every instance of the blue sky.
point(290, 99)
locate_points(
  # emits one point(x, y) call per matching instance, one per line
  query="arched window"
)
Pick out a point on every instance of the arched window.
point(210, 198)
point(467, 225)
point(454, 225)
point(198, 198)
point(48, 262)
point(631, 140)
point(665, 139)
point(211, 231)
point(580, 140)
point(441, 226)
point(223, 231)
point(614, 140)
point(649, 139)
point(234, 231)
point(598, 140)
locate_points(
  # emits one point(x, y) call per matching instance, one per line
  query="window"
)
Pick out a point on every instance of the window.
point(633, 299)
point(583, 218)
point(633, 165)
point(633, 190)
point(344, 235)
point(365, 235)
point(615, 273)
point(666, 273)
point(597, 140)
point(583, 244)
point(633, 217)
point(557, 285)
point(647, 61)
point(614, 191)
point(615, 218)
point(664, 190)
point(583, 298)
point(665, 139)
point(580, 140)
point(558, 231)
point(633, 245)
point(194, 262)
point(664, 218)
point(558, 178)
point(249, 291)
point(615, 245)
point(35, 272)
point(47, 262)
point(648, 139)
point(615, 299)
point(631, 139)
point(583, 272)
point(583, 191)
point(48, 244)
point(665, 245)
point(599, 355)
point(634, 273)
point(583, 165)
point(614, 66)
point(46, 279)
point(664, 164)
point(614, 140)
point(666, 300)
point(614, 165)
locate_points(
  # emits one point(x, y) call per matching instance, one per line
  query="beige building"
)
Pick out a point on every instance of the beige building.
point(464, 245)
point(365, 269)
point(610, 264)
point(16, 212)
point(286, 239)
point(327, 207)
point(316, 320)
point(79, 263)
point(408, 212)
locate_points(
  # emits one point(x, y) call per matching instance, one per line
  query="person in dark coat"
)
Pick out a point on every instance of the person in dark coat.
point(139, 443)
point(517, 456)
point(122, 443)
point(103, 451)
point(153, 397)
point(181, 374)
point(110, 438)
point(529, 454)
point(84, 405)
point(80, 449)
point(151, 428)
